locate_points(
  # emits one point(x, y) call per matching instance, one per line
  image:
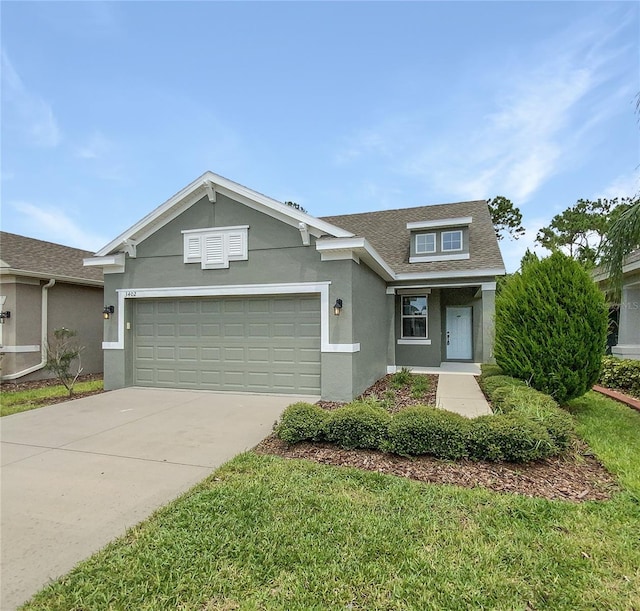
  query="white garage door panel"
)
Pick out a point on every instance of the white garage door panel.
point(252, 344)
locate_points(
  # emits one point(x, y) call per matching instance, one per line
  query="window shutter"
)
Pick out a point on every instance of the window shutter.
point(192, 249)
point(213, 255)
point(237, 245)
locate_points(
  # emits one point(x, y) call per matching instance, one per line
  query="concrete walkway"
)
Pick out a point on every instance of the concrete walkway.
point(461, 394)
point(78, 474)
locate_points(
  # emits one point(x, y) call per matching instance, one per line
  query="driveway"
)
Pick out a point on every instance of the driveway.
point(78, 474)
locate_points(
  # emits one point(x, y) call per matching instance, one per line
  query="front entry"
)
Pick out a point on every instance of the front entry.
point(459, 333)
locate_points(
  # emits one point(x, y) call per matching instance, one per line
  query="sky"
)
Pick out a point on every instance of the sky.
point(109, 108)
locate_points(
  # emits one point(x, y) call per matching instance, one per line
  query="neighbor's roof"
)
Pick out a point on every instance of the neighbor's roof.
point(388, 234)
point(24, 256)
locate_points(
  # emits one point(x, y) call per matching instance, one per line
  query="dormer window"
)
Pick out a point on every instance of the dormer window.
point(451, 240)
point(425, 243)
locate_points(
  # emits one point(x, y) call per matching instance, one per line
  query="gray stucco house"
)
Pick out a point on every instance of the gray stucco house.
point(44, 286)
point(223, 288)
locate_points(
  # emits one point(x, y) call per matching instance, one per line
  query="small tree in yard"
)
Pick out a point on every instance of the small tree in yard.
point(551, 327)
point(62, 351)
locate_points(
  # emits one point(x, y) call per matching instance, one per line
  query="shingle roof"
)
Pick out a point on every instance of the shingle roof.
point(388, 234)
point(19, 253)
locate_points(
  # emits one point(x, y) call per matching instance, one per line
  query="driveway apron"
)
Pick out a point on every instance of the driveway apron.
point(78, 474)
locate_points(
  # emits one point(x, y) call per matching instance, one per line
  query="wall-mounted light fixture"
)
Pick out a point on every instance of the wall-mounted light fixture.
point(4, 316)
point(337, 307)
point(108, 310)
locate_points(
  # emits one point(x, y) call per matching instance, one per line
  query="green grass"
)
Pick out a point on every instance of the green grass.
point(13, 402)
point(267, 533)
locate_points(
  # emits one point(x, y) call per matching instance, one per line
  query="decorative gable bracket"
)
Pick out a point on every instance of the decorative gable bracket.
point(215, 247)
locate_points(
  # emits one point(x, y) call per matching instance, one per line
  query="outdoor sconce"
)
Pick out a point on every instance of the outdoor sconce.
point(108, 310)
point(337, 307)
point(4, 316)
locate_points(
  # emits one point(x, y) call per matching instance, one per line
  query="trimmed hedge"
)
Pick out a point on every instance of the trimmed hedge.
point(358, 425)
point(621, 374)
point(426, 430)
point(528, 425)
point(302, 422)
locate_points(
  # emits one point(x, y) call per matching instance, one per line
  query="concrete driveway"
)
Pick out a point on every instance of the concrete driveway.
point(78, 474)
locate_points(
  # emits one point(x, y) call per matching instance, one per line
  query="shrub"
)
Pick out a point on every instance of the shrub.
point(302, 422)
point(623, 374)
point(401, 378)
point(509, 437)
point(490, 385)
point(419, 386)
point(358, 425)
point(489, 369)
point(426, 430)
point(551, 325)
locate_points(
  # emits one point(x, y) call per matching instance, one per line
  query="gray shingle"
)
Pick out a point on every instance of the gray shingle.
point(40, 257)
point(387, 232)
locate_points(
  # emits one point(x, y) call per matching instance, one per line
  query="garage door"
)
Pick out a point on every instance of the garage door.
point(267, 344)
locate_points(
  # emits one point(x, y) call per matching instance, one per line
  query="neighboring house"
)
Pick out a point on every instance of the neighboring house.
point(627, 344)
point(223, 288)
point(44, 286)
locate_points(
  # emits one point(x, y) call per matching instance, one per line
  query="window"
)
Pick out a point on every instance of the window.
point(452, 240)
point(425, 242)
point(213, 248)
point(414, 316)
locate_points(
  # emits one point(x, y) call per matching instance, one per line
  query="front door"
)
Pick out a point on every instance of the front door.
point(458, 333)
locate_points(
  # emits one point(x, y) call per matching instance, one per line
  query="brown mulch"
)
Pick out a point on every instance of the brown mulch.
point(571, 478)
point(576, 476)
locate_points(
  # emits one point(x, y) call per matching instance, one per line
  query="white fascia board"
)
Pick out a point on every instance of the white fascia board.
point(213, 229)
point(452, 222)
point(362, 248)
point(194, 191)
point(471, 273)
point(237, 290)
point(111, 264)
point(23, 273)
point(434, 258)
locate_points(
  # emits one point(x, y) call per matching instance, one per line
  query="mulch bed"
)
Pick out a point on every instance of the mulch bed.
point(576, 477)
point(10, 387)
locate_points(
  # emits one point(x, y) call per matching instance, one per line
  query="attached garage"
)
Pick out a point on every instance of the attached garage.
point(254, 344)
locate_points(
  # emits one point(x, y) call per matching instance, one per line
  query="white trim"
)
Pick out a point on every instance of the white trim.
point(451, 222)
point(23, 276)
point(489, 286)
point(430, 259)
point(414, 342)
point(471, 273)
point(363, 250)
point(339, 255)
point(304, 233)
point(11, 349)
point(443, 249)
point(214, 229)
point(425, 252)
point(111, 264)
point(235, 290)
point(197, 189)
point(407, 290)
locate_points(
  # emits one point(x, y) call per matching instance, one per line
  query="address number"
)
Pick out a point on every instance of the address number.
point(130, 294)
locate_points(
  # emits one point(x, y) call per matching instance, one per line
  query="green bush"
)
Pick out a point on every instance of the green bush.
point(489, 369)
point(426, 430)
point(509, 437)
point(401, 378)
point(551, 325)
point(358, 425)
point(490, 385)
point(621, 374)
point(302, 422)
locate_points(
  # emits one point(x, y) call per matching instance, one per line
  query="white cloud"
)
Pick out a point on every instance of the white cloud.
point(513, 250)
point(53, 225)
point(625, 185)
point(28, 112)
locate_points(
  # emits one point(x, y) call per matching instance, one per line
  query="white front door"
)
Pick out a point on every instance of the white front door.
point(458, 333)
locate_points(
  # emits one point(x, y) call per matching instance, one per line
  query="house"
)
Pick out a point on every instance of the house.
point(45, 286)
point(224, 288)
point(625, 343)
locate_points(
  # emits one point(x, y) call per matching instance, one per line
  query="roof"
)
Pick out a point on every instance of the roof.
point(24, 256)
point(387, 231)
point(208, 185)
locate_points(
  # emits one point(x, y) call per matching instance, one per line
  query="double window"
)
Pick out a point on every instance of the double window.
point(414, 316)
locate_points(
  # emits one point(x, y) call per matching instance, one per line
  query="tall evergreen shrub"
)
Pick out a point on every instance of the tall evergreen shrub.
point(551, 326)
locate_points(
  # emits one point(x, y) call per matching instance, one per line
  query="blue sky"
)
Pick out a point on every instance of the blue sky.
point(110, 108)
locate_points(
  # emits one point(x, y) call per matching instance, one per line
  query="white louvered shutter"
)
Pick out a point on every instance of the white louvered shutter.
point(237, 245)
point(192, 249)
point(213, 252)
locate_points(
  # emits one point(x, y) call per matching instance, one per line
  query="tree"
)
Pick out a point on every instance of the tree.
point(506, 217)
point(551, 326)
point(296, 206)
point(62, 351)
point(581, 230)
point(622, 239)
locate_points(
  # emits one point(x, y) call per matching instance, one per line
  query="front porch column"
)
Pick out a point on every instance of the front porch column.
point(628, 346)
point(488, 326)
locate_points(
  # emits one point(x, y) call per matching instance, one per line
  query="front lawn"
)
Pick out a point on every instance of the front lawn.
point(24, 399)
point(269, 533)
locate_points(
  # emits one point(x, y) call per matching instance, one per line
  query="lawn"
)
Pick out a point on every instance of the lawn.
point(266, 533)
point(15, 401)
